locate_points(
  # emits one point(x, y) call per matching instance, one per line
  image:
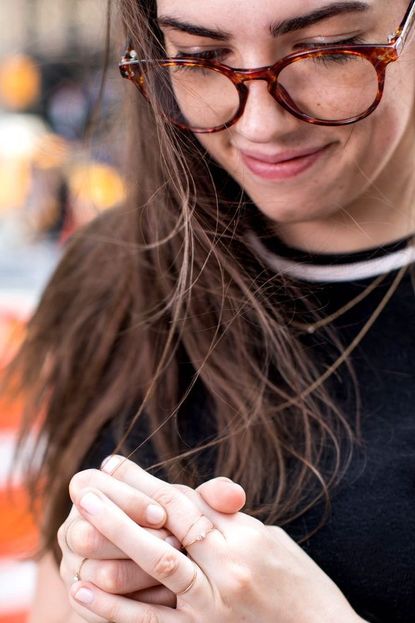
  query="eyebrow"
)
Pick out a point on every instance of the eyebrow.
point(191, 29)
point(277, 28)
point(325, 12)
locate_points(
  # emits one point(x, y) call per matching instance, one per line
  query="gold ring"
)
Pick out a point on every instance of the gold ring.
point(65, 538)
point(77, 575)
point(205, 527)
point(201, 537)
point(186, 590)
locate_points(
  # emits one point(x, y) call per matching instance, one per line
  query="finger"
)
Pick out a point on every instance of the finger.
point(184, 518)
point(139, 506)
point(121, 609)
point(120, 577)
point(84, 540)
point(223, 495)
point(63, 530)
point(156, 557)
point(158, 595)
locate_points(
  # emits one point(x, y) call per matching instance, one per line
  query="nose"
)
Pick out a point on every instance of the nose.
point(264, 118)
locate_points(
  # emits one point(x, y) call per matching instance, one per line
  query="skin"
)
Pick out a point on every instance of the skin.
point(358, 195)
point(230, 591)
point(354, 198)
point(108, 567)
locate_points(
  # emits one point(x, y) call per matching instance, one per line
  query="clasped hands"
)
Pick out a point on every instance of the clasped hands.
point(151, 552)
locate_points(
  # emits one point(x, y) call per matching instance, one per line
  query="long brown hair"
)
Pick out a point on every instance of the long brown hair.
point(167, 278)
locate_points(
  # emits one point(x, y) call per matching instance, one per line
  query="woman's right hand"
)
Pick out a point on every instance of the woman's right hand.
point(108, 567)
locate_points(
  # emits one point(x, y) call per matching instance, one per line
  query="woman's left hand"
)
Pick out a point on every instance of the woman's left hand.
point(237, 569)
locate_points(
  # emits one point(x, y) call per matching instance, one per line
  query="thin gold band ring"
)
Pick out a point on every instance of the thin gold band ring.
point(194, 578)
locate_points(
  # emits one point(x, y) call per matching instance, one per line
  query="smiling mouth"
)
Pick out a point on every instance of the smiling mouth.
point(282, 166)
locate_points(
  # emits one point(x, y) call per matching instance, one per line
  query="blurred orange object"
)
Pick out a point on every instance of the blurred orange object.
point(18, 533)
point(19, 617)
point(20, 82)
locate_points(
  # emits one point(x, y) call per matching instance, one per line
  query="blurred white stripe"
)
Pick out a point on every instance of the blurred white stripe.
point(7, 449)
point(7, 446)
point(17, 585)
point(19, 303)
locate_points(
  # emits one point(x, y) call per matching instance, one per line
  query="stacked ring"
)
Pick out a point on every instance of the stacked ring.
point(199, 538)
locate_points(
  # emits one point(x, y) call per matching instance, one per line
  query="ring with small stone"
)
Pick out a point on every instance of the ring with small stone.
point(77, 574)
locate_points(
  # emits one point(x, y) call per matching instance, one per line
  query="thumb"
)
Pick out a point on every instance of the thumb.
point(223, 495)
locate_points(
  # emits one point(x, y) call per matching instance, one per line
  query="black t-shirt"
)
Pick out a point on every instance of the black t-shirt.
point(367, 546)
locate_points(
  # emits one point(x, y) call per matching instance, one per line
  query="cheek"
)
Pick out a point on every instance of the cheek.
point(377, 141)
point(217, 145)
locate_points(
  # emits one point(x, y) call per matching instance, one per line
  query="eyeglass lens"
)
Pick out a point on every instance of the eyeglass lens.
point(331, 87)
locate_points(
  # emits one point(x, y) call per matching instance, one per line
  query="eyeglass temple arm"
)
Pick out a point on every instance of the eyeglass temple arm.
point(400, 37)
point(130, 52)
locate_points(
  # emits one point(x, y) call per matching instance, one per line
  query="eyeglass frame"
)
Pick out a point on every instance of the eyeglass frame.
point(379, 55)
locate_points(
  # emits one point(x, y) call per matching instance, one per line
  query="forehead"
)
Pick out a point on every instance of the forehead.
point(259, 13)
point(251, 21)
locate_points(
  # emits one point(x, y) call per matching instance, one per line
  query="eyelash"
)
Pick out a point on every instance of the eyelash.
point(220, 54)
point(351, 41)
point(208, 55)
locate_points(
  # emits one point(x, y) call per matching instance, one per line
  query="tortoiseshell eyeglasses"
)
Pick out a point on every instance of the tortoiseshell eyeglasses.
point(330, 86)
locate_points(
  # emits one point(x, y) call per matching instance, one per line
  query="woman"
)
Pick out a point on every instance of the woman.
point(248, 317)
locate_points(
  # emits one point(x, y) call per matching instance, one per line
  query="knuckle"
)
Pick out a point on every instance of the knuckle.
point(113, 612)
point(240, 580)
point(253, 537)
point(280, 533)
point(258, 539)
point(184, 489)
point(166, 566)
point(112, 577)
point(165, 496)
point(149, 616)
point(85, 539)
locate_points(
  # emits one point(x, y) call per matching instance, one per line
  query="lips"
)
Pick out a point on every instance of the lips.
point(283, 165)
point(282, 156)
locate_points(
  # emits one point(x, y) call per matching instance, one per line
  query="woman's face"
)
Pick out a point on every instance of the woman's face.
point(266, 150)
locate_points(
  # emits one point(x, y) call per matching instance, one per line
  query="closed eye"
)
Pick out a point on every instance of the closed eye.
point(220, 54)
point(339, 58)
point(324, 44)
point(206, 55)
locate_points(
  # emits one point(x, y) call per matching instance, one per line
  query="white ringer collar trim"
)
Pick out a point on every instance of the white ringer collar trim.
point(335, 273)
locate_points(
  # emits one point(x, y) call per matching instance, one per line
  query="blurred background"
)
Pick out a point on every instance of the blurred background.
point(59, 167)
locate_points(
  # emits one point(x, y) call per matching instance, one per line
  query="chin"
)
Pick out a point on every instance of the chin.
point(292, 211)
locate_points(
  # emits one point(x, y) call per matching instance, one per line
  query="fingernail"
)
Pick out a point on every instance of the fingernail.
point(155, 514)
point(236, 486)
point(84, 595)
point(110, 464)
point(232, 483)
point(91, 503)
